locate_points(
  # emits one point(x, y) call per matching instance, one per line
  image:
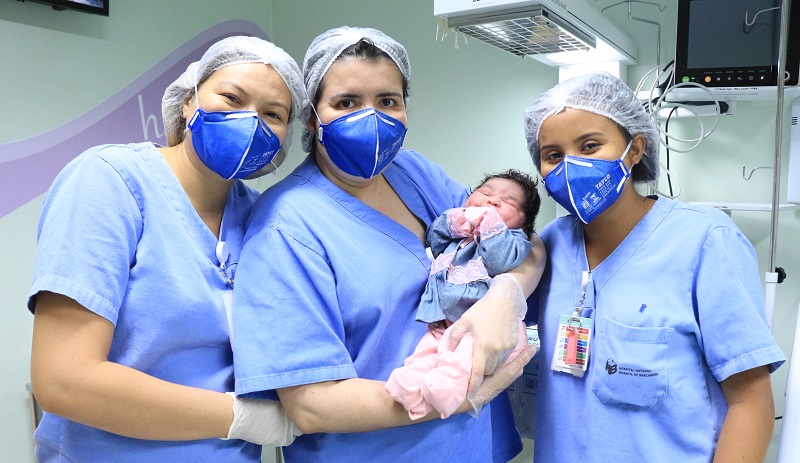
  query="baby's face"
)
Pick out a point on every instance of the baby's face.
point(505, 195)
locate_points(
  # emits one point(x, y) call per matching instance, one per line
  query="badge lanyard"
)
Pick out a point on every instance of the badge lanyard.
point(574, 334)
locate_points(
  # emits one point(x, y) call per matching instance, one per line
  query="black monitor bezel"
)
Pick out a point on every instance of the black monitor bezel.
point(69, 5)
point(741, 76)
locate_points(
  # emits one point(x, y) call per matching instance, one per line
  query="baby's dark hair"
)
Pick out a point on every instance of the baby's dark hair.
point(532, 200)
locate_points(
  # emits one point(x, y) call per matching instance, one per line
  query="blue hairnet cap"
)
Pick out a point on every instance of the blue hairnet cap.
point(226, 52)
point(604, 94)
point(327, 47)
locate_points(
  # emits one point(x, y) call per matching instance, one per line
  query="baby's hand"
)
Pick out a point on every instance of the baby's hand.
point(464, 225)
point(474, 215)
point(467, 223)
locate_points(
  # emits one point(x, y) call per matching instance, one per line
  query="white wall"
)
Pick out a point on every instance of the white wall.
point(465, 114)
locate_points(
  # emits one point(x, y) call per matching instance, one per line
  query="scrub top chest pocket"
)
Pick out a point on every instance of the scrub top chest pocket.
point(630, 364)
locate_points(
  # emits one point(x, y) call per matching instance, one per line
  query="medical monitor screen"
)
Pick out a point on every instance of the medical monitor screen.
point(733, 42)
point(87, 6)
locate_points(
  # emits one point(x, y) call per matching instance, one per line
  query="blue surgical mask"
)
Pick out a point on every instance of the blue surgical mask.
point(234, 144)
point(362, 143)
point(586, 187)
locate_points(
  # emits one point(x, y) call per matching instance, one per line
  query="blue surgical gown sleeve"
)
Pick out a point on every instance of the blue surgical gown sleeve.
point(103, 221)
point(310, 282)
point(726, 277)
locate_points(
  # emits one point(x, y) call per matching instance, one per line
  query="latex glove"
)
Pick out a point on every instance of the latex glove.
point(498, 382)
point(493, 322)
point(261, 422)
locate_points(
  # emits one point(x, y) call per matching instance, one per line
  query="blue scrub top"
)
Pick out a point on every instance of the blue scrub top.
point(119, 235)
point(677, 308)
point(327, 289)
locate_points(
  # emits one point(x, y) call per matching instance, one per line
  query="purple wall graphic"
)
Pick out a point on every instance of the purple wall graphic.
point(28, 167)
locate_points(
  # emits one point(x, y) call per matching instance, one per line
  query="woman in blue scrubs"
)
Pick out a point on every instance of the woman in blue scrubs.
point(654, 344)
point(137, 253)
point(334, 265)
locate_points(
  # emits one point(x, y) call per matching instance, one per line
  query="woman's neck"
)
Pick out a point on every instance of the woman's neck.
point(378, 194)
point(605, 233)
point(206, 190)
point(363, 190)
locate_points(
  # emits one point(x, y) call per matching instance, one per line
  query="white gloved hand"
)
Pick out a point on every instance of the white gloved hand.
point(494, 324)
point(261, 422)
point(498, 382)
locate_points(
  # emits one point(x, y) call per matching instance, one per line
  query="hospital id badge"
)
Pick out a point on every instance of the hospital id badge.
point(572, 345)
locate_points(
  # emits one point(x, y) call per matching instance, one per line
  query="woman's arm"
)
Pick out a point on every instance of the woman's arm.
point(72, 377)
point(360, 405)
point(530, 271)
point(349, 405)
point(748, 425)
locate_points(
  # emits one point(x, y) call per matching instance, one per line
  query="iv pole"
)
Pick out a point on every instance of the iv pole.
point(772, 277)
point(789, 445)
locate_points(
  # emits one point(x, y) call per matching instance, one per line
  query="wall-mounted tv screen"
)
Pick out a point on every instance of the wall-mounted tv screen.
point(87, 6)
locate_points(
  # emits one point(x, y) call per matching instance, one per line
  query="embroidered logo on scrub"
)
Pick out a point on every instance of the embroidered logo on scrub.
point(612, 368)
